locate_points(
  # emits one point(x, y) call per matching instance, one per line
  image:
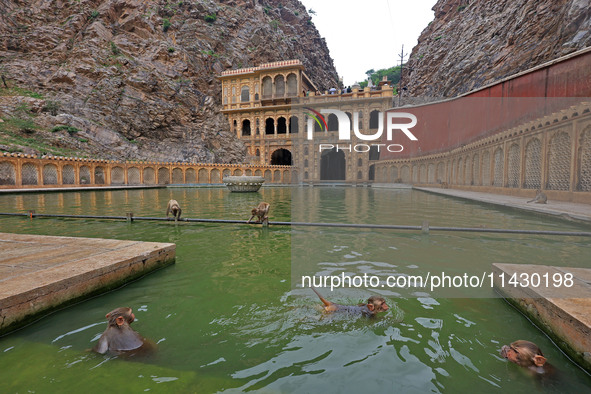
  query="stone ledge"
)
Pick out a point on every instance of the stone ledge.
point(31, 287)
point(562, 313)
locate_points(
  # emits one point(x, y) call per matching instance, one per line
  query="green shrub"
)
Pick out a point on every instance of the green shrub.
point(16, 91)
point(24, 109)
point(70, 129)
point(116, 51)
point(210, 18)
point(94, 14)
point(52, 107)
point(171, 49)
point(24, 125)
point(165, 24)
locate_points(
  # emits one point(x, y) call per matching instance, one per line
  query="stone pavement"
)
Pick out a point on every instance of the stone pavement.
point(559, 304)
point(568, 210)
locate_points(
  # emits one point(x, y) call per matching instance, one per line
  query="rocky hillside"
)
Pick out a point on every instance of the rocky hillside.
point(136, 79)
point(472, 43)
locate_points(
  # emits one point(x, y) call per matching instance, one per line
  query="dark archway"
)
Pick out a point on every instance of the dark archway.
point(374, 119)
point(269, 126)
point(281, 125)
point(281, 157)
point(246, 127)
point(372, 172)
point(293, 125)
point(316, 124)
point(332, 166)
point(374, 153)
point(333, 122)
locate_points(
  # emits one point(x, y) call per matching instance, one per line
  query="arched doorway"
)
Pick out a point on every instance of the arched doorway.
point(281, 125)
point(372, 172)
point(281, 157)
point(374, 153)
point(246, 127)
point(332, 166)
point(269, 126)
point(374, 119)
point(333, 123)
point(293, 125)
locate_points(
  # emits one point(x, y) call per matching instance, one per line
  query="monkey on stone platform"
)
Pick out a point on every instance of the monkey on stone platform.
point(540, 197)
point(174, 208)
point(119, 338)
point(262, 212)
point(374, 305)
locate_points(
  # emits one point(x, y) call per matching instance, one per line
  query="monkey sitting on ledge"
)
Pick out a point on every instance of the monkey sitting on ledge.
point(540, 197)
point(374, 305)
point(528, 355)
point(119, 338)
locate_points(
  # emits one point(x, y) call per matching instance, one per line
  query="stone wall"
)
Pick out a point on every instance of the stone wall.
point(552, 153)
point(18, 171)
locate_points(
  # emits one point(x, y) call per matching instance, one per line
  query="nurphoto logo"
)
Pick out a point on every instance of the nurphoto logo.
point(344, 129)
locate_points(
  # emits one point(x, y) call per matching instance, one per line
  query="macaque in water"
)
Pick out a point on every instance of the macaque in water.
point(540, 197)
point(528, 355)
point(262, 212)
point(174, 208)
point(119, 337)
point(374, 305)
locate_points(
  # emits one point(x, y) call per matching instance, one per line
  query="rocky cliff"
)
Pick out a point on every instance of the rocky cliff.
point(136, 79)
point(472, 43)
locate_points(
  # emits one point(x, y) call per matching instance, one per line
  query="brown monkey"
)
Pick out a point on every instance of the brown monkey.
point(262, 212)
point(374, 305)
point(174, 208)
point(528, 355)
point(119, 337)
point(540, 197)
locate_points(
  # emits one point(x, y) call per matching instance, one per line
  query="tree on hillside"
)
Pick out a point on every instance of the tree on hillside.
point(392, 74)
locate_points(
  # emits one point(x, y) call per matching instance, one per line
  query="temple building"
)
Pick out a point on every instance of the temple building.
point(271, 107)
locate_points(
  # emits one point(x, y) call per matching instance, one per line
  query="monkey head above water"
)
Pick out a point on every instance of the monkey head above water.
point(374, 305)
point(119, 337)
point(174, 208)
point(528, 355)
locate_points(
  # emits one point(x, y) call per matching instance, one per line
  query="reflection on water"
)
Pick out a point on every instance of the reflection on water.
point(227, 320)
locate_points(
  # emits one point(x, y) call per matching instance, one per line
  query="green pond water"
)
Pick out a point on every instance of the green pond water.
point(230, 315)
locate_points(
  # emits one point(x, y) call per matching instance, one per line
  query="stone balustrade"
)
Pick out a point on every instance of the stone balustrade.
point(19, 171)
point(552, 153)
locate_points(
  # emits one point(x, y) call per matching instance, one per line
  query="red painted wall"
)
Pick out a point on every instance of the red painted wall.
point(446, 125)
